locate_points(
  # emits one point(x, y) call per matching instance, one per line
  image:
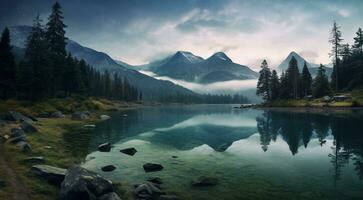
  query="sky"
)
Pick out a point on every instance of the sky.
point(140, 31)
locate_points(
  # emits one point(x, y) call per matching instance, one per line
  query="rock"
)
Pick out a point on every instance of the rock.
point(174, 156)
point(47, 147)
point(108, 168)
point(24, 146)
point(105, 147)
point(53, 175)
point(80, 183)
point(129, 151)
point(28, 127)
point(79, 115)
point(57, 114)
point(204, 181)
point(326, 99)
point(15, 140)
point(147, 190)
point(151, 167)
point(89, 126)
point(16, 116)
point(168, 197)
point(35, 159)
point(16, 132)
point(105, 117)
point(124, 115)
point(156, 180)
point(109, 196)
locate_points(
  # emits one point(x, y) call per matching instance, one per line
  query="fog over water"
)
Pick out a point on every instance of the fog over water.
point(225, 87)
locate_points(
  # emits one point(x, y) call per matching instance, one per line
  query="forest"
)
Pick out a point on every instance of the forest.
point(292, 84)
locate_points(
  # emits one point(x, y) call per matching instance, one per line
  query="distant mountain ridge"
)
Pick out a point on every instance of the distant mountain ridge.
point(186, 66)
point(313, 68)
point(149, 86)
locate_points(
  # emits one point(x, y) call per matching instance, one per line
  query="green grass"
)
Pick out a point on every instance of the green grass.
point(62, 135)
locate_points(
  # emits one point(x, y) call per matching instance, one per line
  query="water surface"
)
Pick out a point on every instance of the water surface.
point(255, 154)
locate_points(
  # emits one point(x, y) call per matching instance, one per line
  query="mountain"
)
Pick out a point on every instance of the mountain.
point(149, 86)
point(189, 67)
point(313, 68)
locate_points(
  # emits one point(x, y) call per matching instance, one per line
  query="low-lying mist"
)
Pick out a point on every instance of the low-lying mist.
point(245, 87)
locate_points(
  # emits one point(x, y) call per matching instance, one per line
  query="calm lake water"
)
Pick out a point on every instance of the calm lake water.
point(255, 154)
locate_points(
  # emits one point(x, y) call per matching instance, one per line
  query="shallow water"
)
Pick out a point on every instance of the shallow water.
point(254, 154)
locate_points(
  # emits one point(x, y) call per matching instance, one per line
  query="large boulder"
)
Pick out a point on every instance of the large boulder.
point(79, 115)
point(105, 147)
point(80, 183)
point(28, 127)
point(148, 190)
point(53, 175)
point(151, 167)
point(15, 140)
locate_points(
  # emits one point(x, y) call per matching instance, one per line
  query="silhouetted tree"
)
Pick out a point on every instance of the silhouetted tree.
point(335, 40)
point(7, 67)
point(321, 83)
point(306, 81)
point(264, 81)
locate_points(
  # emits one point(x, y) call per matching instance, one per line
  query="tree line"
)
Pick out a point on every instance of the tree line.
point(205, 98)
point(47, 70)
point(293, 84)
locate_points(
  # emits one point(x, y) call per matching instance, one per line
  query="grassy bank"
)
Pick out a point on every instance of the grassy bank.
point(355, 101)
point(49, 142)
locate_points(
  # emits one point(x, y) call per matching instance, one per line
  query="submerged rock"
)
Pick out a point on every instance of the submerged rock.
point(105, 117)
point(109, 196)
point(151, 167)
point(148, 190)
point(204, 181)
point(169, 197)
point(53, 175)
point(108, 168)
point(28, 127)
point(105, 147)
point(156, 180)
point(129, 151)
point(80, 183)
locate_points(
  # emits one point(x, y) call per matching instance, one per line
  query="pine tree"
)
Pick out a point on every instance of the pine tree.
point(36, 61)
point(293, 78)
point(55, 35)
point(321, 84)
point(24, 81)
point(345, 52)
point(55, 32)
point(7, 67)
point(274, 85)
point(335, 40)
point(263, 81)
point(358, 42)
point(306, 81)
point(284, 87)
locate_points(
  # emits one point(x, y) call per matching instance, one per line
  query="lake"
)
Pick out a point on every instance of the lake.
point(254, 154)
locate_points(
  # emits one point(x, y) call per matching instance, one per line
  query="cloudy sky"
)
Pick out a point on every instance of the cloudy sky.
point(139, 31)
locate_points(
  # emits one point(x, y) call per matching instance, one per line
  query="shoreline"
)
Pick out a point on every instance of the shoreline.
point(48, 143)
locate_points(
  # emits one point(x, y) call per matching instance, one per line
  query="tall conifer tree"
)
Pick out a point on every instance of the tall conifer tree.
point(7, 67)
